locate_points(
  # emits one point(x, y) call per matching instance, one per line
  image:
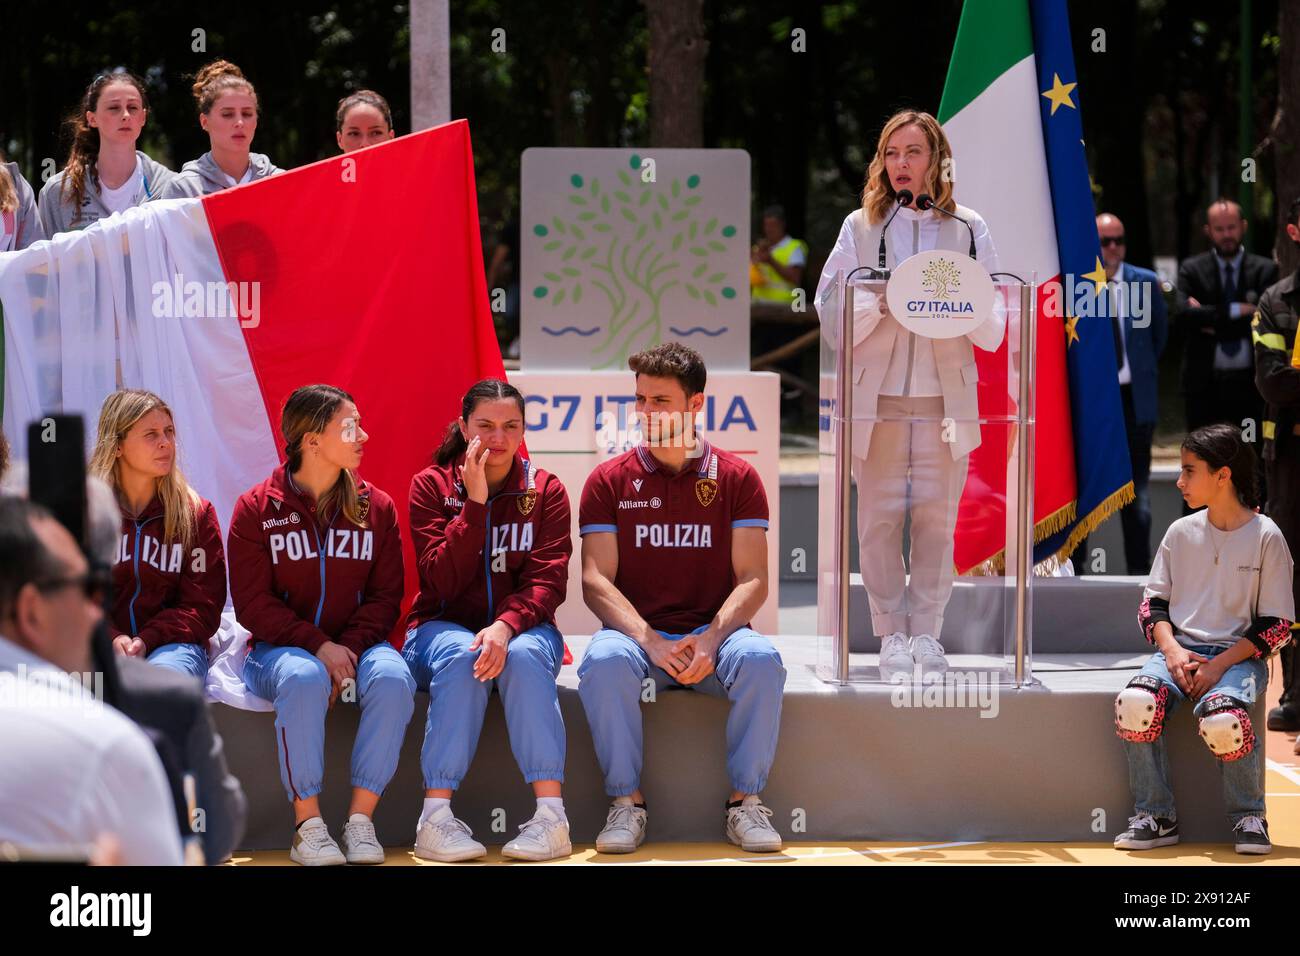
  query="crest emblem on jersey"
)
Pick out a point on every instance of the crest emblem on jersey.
point(706, 490)
point(363, 508)
point(636, 484)
point(526, 502)
point(276, 502)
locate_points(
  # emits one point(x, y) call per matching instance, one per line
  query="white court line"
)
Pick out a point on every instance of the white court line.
point(1284, 769)
point(785, 855)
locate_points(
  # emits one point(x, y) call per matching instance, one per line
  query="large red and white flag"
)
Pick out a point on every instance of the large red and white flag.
point(363, 271)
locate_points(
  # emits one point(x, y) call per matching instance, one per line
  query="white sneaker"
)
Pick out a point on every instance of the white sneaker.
point(447, 840)
point(544, 837)
point(749, 828)
point(929, 654)
point(360, 845)
point(624, 829)
point(313, 845)
point(895, 657)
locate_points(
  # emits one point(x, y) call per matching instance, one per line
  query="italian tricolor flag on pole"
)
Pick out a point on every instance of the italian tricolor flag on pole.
point(363, 271)
point(1007, 113)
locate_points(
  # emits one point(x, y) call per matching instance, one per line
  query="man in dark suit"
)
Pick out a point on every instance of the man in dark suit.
point(1222, 287)
point(1136, 306)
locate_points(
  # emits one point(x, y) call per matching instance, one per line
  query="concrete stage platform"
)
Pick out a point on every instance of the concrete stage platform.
point(853, 764)
point(1092, 614)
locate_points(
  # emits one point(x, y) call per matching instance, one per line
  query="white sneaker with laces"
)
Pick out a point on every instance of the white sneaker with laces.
point(313, 845)
point(447, 840)
point(895, 657)
point(544, 837)
point(624, 828)
point(360, 845)
point(750, 829)
point(929, 653)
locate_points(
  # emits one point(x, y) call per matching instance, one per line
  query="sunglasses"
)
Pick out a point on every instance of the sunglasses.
point(1112, 240)
point(94, 584)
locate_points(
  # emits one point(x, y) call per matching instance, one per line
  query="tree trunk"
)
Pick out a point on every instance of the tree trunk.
point(1285, 133)
point(676, 64)
point(430, 63)
point(1116, 113)
point(564, 125)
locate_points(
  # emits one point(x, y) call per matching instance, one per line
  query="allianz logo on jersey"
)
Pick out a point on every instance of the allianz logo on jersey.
point(625, 503)
point(270, 523)
point(353, 543)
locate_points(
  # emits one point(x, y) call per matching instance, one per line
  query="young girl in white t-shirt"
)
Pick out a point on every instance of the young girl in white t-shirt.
point(1218, 603)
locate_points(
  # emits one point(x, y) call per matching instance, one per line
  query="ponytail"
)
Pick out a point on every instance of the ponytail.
point(1221, 446)
point(453, 445)
point(84, 152)
point(489, 389)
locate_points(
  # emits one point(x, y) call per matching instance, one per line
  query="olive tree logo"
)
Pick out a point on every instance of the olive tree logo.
point(631, 242)
point(941, 278)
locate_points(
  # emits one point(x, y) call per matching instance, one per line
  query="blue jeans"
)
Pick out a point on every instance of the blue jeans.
point(748, 672)
point(187, 658)
point(1148, 763)
point(296, 682)
point(440, 660)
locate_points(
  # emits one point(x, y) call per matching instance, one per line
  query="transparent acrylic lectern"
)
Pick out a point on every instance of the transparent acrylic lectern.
point(925, 497)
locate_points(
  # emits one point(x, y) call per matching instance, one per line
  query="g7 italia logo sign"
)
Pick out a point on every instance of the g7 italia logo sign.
point(940, 294)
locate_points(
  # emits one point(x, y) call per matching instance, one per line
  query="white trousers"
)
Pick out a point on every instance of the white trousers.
point(908, 468)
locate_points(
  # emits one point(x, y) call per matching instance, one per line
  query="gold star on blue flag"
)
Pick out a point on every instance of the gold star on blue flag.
point(1059, 94)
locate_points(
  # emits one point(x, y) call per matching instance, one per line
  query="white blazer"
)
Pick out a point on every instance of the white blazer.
point(874, 332)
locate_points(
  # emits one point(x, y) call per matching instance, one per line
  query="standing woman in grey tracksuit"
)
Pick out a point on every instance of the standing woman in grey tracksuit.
point(104, 173)
point(20, 223)
point(228, 112)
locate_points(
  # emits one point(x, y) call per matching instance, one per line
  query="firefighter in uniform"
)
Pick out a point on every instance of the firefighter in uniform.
point(1277, 376)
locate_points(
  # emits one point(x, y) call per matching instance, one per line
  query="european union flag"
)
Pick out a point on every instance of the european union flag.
point(1103, 474)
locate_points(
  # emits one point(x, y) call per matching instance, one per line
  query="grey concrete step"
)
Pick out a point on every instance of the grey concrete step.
point(854, 762)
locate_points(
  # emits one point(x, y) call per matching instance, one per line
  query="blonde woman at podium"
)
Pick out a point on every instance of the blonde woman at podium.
point(904, 386)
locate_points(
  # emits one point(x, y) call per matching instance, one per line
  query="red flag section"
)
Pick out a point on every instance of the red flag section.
point(370, 276)
point(982, 514)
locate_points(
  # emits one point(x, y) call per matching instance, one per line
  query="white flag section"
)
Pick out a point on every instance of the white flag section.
point(91, 311)
point(94, 310)
point(1002, 168)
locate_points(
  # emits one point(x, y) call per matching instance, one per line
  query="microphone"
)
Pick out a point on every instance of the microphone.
point(903, 197)
point(924, 201)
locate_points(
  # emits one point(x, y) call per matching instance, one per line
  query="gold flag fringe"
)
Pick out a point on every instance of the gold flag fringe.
point(1053, 523)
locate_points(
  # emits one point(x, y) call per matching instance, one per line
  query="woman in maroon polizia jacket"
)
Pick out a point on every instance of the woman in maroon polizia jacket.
point(315, 559)
point(169, 578)
point(492, 541)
